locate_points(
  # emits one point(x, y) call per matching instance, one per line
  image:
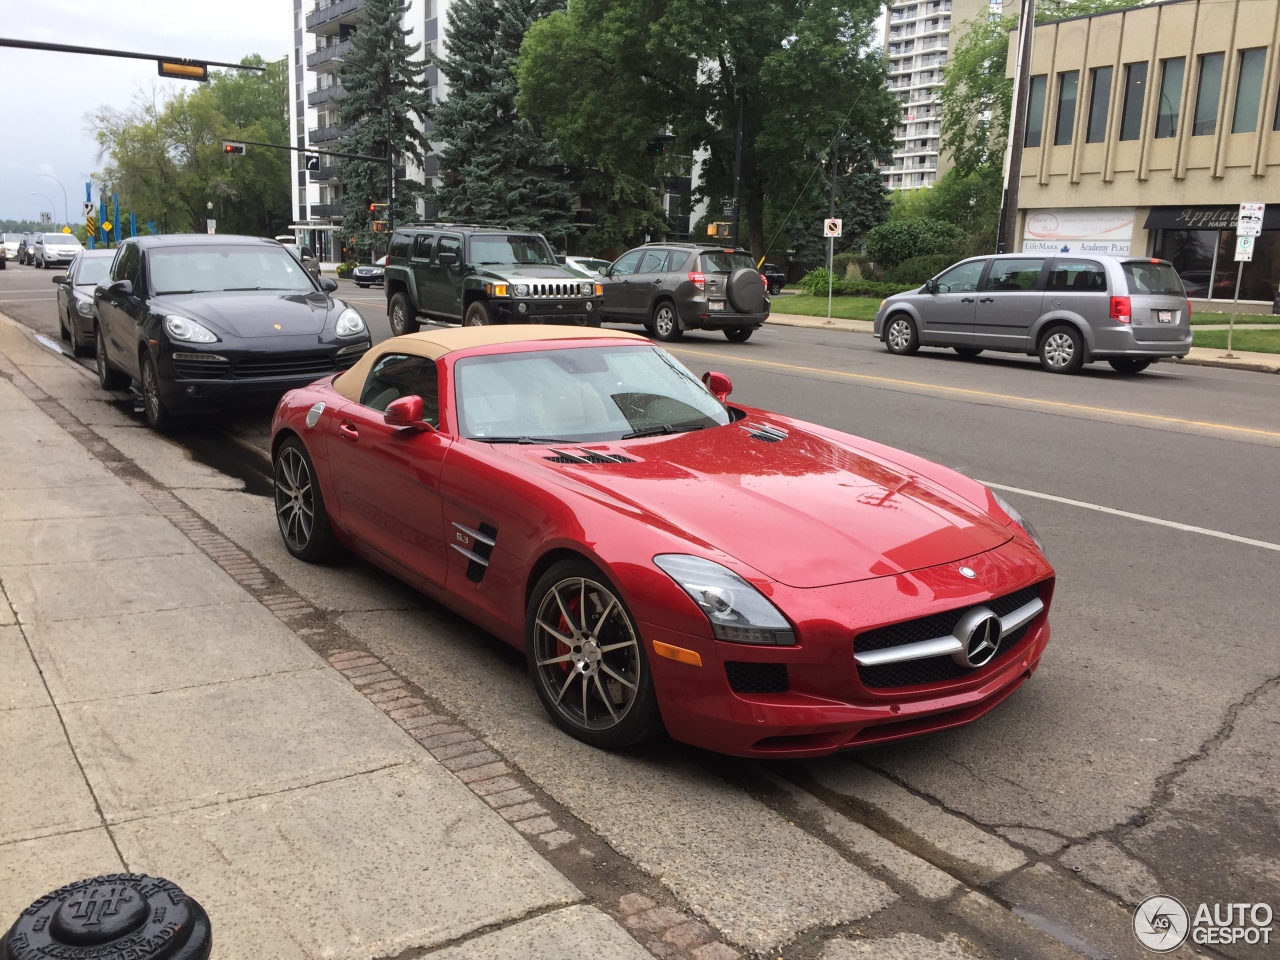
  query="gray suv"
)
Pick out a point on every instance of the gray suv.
point(1068, 310)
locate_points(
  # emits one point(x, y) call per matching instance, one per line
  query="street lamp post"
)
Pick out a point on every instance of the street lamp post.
point(53, 207)
point(66, 211)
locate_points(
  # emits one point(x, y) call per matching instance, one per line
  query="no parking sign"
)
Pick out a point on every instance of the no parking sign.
point(833, 227)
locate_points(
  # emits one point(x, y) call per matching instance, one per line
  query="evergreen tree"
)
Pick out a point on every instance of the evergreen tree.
point(496, 165)
point(386, 102)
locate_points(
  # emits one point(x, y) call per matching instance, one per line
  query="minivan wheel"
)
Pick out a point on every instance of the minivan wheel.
point(1062, 350)
point(968, 352)
point(900, 335)
point(401, 316)
point(739, 334)
point(1129, 365)
point(666, 326)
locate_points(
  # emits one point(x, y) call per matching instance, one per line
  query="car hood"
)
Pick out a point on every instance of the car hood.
point(801, 510)
point(521, 272)
point(250, 315)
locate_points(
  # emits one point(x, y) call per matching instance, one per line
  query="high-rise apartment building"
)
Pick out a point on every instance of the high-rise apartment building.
point(917, 37)
point(322, 35)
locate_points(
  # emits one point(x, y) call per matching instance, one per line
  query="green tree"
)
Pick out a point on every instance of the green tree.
point(495, 162)
point(891, 243)
point(609, 76)
point(385, 109)
point(165, 157)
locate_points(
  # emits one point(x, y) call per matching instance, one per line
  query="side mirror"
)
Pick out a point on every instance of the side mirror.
point(328, 284)
point(61, 280)
point(561, 258)
point(406, 412)
point(121, 288)
point(719, 385)
point(931, 286)
point(448, 258)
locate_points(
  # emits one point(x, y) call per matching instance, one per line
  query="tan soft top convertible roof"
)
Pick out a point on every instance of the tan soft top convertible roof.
point(437, 342)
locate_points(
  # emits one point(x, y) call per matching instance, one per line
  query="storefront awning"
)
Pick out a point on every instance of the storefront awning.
point(1205, 218)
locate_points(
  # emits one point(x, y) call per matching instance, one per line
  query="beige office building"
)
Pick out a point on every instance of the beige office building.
point(1147, 128)
point(917, 37)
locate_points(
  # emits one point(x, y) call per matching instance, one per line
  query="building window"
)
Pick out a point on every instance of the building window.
point(1207, 90)
point(1249, 90)
point(1099, 98)
point(1204, 260)
point(1066, 119)
point(1035, 111)
point(1135, 89)
point(1171, 72)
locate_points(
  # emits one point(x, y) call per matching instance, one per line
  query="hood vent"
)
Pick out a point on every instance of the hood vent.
point(764, 432)
point(581, 455)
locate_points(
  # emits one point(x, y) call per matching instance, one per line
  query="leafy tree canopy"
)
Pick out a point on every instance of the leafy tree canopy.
point(609, 76)
point(891, 243)
point(165, 159)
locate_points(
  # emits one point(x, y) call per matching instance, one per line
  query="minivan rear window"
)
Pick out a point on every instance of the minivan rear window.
point(1143, 276)
point(717, 261)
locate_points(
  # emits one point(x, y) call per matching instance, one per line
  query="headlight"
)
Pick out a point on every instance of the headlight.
point(180, 328)
point(350, 323)
point(586, 288)
point(520, 290)
point(738, 611)
point(84, 308)
point(1019, 519)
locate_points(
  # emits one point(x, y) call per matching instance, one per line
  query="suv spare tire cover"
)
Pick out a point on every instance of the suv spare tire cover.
point(746, 290)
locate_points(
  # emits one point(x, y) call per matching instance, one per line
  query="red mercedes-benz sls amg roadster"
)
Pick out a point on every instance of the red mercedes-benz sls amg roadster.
point(752, 583)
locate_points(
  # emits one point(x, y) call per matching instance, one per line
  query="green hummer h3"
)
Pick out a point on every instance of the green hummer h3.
point(476, 275)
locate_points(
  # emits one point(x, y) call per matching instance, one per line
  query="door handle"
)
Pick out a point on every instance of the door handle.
point(986, 299)
point(966, 299)
point(349, 432)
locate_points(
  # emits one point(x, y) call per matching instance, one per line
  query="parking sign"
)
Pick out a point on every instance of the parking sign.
point(832, 228)
point(1249, 223)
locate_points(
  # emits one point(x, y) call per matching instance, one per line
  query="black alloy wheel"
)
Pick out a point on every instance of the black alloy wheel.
point(1129, 364)
point(739, 334)
point(587, 659)
point(153, 406)
point(300, 512)
point(665, 325)
point(900, 335)
point(109, 378)
point(63, 332)
point(401, 316)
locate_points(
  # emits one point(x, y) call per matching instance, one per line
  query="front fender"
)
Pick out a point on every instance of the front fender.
point(894, 307)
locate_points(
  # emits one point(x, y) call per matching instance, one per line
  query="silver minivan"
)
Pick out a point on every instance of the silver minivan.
point(1067, 309)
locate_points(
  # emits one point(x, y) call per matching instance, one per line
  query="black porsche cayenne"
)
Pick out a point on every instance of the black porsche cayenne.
point(213, 321)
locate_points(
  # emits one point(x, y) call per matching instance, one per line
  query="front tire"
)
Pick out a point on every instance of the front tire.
point(1129, 365)
point(1062, 349)
point(109, 378)
point(587, 660)
point(401, 316)
point(665, 324)
point(477, 315)
point(153, 406)
point(300, 512)
point(63, 333)
point(901, 336)
point(739, 334)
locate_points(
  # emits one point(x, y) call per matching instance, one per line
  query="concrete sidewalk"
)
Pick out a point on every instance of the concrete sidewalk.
point(156, 717)
point(1200, 356)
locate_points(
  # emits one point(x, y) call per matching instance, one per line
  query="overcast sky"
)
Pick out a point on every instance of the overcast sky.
point(44, 97)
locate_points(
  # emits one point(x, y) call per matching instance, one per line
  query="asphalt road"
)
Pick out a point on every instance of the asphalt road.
point(1142, 756)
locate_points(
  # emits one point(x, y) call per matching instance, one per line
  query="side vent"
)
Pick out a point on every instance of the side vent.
point(764, 432)
point(582, 455)
point(478, 548)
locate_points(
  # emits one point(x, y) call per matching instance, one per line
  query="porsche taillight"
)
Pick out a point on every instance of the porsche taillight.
point(698, 279)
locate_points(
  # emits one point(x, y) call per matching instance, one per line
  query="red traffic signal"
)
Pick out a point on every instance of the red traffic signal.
point(232, 148)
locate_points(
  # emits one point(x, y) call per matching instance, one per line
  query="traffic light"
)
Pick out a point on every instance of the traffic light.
point(719, 229)
point(373, 207)
point(183, 69)
point(232, 148)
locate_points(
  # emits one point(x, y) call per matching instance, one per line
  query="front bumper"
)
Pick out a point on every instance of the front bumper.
point(583, 311)
point(825, 706)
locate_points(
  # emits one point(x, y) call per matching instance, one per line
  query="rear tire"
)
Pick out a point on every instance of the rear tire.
point(665, 324)
point(900, 335)
point(968, 352)
point(1062, 349)
point(739, 334)
point(300, 511)
point(477, 315)
point(109, 378)
point(401, 316)
point(1129, 365)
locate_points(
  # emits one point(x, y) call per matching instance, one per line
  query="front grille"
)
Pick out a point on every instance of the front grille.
point(746, 677)
point(285, 365)
point(555, 290)
point(935, 669)
point(195, 366)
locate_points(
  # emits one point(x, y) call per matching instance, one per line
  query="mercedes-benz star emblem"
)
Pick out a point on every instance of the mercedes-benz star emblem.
point(979, 633)
point(967, 573)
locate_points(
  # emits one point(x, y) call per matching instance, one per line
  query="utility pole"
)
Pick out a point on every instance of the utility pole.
point(1005, 235)
point(737, 171)
point(391, 180)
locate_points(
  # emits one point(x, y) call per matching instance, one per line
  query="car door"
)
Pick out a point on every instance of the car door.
point(647, 281)
point(424, 248)
point(617, 287)
point(446, 279)
point(387, 479)
point(1009, 302)
point(1079, 287)
point(946, 306)
point(119, 313)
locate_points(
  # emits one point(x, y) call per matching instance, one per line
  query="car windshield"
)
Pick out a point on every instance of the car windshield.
point(92, 271)
point(195, 269)
point(580, 394)
point(725, 261)
point(513, 248)
point(1145, 276)
point(61, 239)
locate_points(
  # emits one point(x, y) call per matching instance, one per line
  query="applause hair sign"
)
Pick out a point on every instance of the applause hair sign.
point(1097, 230)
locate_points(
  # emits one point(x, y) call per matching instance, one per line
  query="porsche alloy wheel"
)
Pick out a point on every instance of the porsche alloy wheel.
point(304, 523)
point(586, 658)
